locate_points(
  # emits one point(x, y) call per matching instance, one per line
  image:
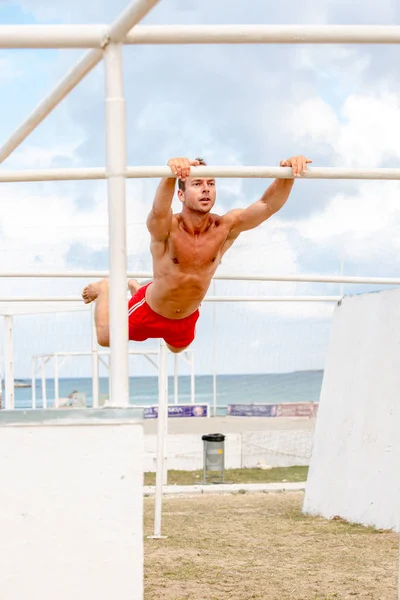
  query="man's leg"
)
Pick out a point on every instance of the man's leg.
point(133, 286)
point(99, 292)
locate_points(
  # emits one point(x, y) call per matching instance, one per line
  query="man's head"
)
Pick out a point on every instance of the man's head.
point(197, 193)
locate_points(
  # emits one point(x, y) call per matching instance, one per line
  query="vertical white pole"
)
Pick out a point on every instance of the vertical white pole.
point(192, 383)
point(95, 363)
point(109, 382)
point(116, 167)
point(34, 367)
point(176, 378)
point(56, 390)
point(44, 391)
point(9, 362)
point(214, 351)
point(166, 404)
point(161, 428)
point(1, 377)
point(341, 274)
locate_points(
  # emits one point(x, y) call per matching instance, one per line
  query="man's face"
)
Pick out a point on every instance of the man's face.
point(199, 194)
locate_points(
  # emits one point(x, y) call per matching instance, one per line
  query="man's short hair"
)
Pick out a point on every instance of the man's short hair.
point(181, 184)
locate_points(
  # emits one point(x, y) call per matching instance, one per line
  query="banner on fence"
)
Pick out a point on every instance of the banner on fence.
point(252, 410)
point(178, 411)
point(293, 409)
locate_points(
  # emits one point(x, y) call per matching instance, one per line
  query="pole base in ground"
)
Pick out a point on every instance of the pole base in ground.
point(157, 537)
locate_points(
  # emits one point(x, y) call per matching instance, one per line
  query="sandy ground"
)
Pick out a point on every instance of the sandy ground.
point(230, 424)
point(260, 547)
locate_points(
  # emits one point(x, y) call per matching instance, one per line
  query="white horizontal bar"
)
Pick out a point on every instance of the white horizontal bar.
point(52, 36)
point(11, 176)
point(268, 172)
point(102, 352)
point(210, 171)
point(272, 298)
point(230, 277)
point(91, 36)
point(116, 33)
point(265, 34)
point(206, 299)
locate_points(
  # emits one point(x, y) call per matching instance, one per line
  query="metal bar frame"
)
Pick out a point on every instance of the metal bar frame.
point(222, 172)
point(308, 278)
point(93, 36)
point(206, 299)
point(9, 362)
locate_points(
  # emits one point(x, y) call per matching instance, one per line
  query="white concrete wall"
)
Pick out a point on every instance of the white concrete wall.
point(355, 466)
point(71, 518)
point(275, 448)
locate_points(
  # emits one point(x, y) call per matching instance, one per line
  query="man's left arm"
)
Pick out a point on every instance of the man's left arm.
point(271, 201)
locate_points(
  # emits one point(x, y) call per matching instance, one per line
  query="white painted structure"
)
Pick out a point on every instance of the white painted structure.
point(71, 517)
point(356, 459)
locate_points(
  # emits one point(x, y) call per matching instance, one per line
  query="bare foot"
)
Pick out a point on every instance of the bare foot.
point(92, 290)
point(133, 286)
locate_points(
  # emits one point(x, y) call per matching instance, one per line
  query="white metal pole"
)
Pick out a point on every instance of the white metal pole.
point(116, 165)
point(206, 299)
point(161, 426)
point(192, 380)
point(34, 368)
point(310, 278)
point(44, 391)
point(109, 382)
point(1, 377)
point(214, 350)
point(176, 394)
point(95, 363)
point(56, 389)
point(97, 173)
point(342, 273)
point(264, 34)
point(263, 172)
point(9, 363)
point(92, 36)
point(26, 175)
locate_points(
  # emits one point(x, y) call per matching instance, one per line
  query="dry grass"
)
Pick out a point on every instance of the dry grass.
point(260, 547)
point(235, 476)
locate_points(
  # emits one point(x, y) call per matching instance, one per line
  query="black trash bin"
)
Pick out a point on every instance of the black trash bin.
point(213, 456)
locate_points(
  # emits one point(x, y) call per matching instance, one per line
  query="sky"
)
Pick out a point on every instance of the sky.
point(232, 105)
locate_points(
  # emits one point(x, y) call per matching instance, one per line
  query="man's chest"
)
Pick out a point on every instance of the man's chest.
point(197, 252)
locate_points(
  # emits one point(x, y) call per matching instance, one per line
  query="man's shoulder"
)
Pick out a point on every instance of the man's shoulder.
point(230, 216)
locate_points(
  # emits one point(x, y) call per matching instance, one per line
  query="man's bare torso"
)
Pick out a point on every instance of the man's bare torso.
point(184, 265)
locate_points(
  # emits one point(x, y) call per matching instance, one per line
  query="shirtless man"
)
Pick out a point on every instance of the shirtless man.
point(186, 249)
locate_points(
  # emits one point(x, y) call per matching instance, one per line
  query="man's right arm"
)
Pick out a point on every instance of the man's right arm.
point(160, 217)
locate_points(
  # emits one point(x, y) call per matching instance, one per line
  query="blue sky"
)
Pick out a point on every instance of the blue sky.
point(249, 105)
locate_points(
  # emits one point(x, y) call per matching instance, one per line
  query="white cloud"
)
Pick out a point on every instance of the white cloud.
point(365, 225)
point(31, 156)
point(9, 70)
point(365, 133)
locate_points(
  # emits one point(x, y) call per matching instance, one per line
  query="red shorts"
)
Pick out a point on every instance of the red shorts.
point(144, 323)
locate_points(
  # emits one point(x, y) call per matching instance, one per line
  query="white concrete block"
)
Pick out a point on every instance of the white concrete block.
point(356, 458)
point(71, 507)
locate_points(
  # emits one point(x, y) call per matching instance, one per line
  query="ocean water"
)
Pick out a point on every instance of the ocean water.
point(300, 386)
